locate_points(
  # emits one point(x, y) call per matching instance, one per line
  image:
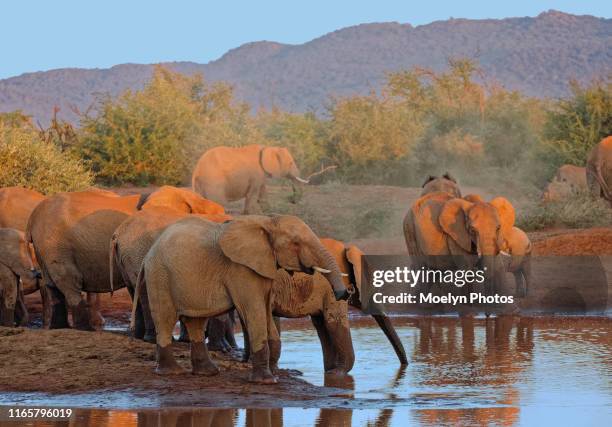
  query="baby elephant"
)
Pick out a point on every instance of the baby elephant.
point(198, 269)
point(16, 270)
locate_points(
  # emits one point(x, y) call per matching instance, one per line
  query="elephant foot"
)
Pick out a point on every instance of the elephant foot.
point(200, 361)
point(261, 373)
point(59, 316)
point(166, 363)
point(217, 345)
point(337, 372)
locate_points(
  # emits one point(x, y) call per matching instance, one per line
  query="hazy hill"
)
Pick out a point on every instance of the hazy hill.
point(536, 55)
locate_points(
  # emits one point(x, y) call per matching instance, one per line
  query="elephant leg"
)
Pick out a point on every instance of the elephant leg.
point(93, 302)
point(55, 310)
point(262, 197)
point(257, 317)
point(139, 329)
point(229, 332)
point(147, 319)
point(10, 291)
point(215, 332)
point(68, 280)
point(329, 352)
point(520, 290)
point(246, 343)
point(22, 316)
point(337, 326)
point(275, 345)
point(250, 202)
point(201, 364)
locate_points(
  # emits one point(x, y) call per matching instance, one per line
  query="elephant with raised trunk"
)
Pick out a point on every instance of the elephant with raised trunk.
point(71, 234)
point(16, 273)
point(302, 295)
point(198, 269)
point(446, 232)
point(226, 174)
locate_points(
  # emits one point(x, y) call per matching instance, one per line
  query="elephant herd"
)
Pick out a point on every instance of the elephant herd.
point(182, 257)
point(595, 178)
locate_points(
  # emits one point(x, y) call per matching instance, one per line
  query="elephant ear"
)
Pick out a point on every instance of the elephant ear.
point(353, 255)
point(271, 161)
point(247, 242)
point(428, 180)
point(453, 221)
point(506, 213)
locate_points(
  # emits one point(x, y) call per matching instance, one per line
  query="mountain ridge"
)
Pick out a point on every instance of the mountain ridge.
point(537, 55)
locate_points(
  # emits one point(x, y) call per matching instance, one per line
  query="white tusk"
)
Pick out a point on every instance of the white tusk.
point(344, 275)
point(291, 269)
point(321, 270)
point(302, 180)
point(504, 253)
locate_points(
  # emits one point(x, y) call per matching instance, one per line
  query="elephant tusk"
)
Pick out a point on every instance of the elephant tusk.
point(321, 270)
point(344, 275)
point(504, 253)
point(302, 180)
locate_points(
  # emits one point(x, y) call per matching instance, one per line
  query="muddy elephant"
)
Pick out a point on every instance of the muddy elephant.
point(71, 233)
point(226, 174)
point(301, 295)
point(130, 243)
point(445, 232)
point(198, 269)
point(519, 248)
point(568, 180)
point(16, 205)
point(445, 183)
point(599, 170)
point(16, 272)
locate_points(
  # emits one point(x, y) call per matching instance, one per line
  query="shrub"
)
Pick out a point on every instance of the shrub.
point(29, 162)
point(580, 211)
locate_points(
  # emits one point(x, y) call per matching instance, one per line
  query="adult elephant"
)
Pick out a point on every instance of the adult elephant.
point(198, 269)
point(16, 271)
point(71, 233)
point(130, 243)
point(599, 170)
point(301, 295)
point(226, 174)
point(16, 205)
point(445, 232)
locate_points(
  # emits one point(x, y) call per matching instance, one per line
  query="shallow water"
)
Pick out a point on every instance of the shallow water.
point(502, 371)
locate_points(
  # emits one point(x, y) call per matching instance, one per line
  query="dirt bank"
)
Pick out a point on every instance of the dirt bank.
point(594, 241)
point(70, 361)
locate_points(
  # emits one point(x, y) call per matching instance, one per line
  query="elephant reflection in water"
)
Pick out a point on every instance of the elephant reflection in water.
point(179, 418)
point(465, 360)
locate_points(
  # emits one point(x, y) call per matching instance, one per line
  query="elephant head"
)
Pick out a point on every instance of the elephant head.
point(179, 199)
point(264, 243)
point(15, 255)
point(16, 267)
point(278, 163)
point(349, 259)
point(446, 184)
point(478, 229)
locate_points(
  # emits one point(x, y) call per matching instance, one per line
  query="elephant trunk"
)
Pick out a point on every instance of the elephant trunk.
point(326, 265)
point(387, 327)
point(343, 346)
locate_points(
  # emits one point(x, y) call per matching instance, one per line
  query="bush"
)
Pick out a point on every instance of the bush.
point(29, 162)
point(155, 136)
point(580, 211)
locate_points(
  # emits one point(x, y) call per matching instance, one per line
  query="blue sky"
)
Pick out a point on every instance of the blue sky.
point(43, 34)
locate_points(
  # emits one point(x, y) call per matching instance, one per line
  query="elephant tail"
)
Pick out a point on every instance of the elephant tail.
point(113, 260)
point(139, 282)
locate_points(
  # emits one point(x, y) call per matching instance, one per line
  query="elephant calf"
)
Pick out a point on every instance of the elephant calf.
point(198, 269)
point(16, 270)
point(304, 295)
point(518, 246)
